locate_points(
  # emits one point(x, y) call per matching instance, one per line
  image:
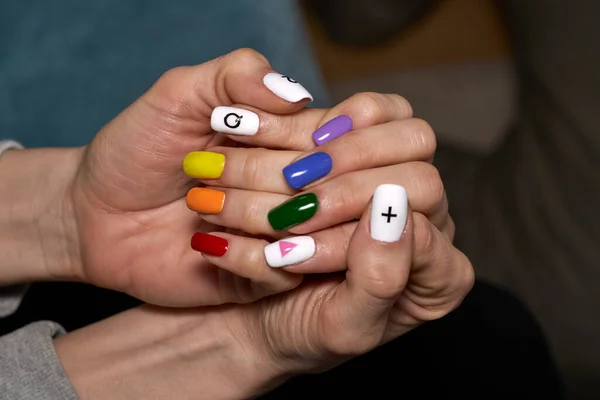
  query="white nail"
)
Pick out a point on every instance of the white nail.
point(289, 251)
point(235, 121)
point(286, 87)
point(388, 213)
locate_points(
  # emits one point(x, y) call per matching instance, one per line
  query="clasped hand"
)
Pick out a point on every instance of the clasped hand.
point(355, 285)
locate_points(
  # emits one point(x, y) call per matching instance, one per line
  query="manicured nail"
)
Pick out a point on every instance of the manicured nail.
point(308, 169)
point(294, 211)
point(205, 201)
point(388, 213)
point(290, 251)
point(332, 129)
point(285, 87)
point(204, 164)
point(235, 121)
point(209, 244)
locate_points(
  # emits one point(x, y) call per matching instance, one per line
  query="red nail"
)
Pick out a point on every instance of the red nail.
point(209, 244)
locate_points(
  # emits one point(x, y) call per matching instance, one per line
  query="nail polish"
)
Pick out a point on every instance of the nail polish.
point(290, 251)
point(204, 164)
point(332, 129)
point(293, 212)
point(209, 244)
point(205, 201)
point(388, 213)
point(234, 121)
point(286, 88)
point(308, 169)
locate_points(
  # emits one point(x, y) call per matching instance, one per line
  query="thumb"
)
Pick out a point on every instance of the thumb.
point(379, 260)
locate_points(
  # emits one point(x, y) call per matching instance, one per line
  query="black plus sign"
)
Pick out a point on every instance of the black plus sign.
point(389, 215)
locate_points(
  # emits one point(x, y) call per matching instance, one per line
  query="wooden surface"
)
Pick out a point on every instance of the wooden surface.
point(455, 32)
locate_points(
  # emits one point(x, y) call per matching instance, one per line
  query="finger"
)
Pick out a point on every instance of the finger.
point(307, 128)
point(340, 200)
point(281, 171)
point(263, 263)
point(379, 260)
point(343, 198)
point(235, 254)
point(377, 146)
point(243, 76)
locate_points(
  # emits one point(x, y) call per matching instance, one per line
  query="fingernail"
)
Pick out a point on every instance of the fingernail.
point(204, 164)
point(290, 251)
point(285, 87)
point(308, 169)
point(235, 121)
point(388, 213)
point(209, 244)
point(294, 211)
point(332, 129)
point(205, 201)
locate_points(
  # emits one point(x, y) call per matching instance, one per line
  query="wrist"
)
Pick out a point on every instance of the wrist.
point(149, 352)
point(38, 238)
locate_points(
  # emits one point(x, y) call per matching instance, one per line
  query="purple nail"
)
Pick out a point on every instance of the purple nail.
point(332, 129)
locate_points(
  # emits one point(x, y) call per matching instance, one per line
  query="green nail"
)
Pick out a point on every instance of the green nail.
point(294, 212)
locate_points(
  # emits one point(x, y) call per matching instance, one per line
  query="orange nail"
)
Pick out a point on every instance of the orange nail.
point(205, 201)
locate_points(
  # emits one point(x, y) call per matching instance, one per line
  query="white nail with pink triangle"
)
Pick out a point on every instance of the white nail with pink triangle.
point(290, 251)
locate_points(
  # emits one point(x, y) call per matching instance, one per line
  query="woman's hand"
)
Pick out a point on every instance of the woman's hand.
point(134, 227)
point(393, 284)
point(400, 274)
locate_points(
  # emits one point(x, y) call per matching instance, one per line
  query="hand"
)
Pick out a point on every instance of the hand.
point(133, 226)
point(390, 287)
point(399, 275)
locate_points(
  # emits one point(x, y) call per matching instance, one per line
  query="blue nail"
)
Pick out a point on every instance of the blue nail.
point(308, 169)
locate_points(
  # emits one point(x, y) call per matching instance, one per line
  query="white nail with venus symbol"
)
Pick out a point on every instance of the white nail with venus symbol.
point(234, 121)
point(290, 251)
point(285, 87)
point(388, 213)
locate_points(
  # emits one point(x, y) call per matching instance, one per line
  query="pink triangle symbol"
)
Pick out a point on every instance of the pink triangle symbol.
point(286, 247)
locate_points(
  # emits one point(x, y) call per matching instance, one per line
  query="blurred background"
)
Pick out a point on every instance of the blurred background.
point(420, 49)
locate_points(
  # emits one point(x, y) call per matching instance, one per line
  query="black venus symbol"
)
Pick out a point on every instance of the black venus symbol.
point(289, 79)
point(238, 119)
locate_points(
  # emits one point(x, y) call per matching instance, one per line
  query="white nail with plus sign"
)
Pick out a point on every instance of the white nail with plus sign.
point(234, 121)
point(290, 251)
point(388, 213)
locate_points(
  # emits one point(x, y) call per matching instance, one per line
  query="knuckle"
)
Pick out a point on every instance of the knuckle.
point(174, 74)
point(368, 107)
point(423, 138)
point(246, 55)
point(345, 198)
point(255, 266)
point(250, 214)
point(426, 180)
point(355, 155)
point(381, 284)
point(402, 104)
point(251, 168)
point(424, 237)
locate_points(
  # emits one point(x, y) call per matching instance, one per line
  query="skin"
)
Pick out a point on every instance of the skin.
point(113, 214)
point(126, 190)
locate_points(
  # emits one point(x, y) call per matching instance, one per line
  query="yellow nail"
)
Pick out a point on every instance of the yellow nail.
point(204, 164)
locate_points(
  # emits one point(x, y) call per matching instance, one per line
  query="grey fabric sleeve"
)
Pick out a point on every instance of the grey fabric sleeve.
point(10, 297)
point(29, 366)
